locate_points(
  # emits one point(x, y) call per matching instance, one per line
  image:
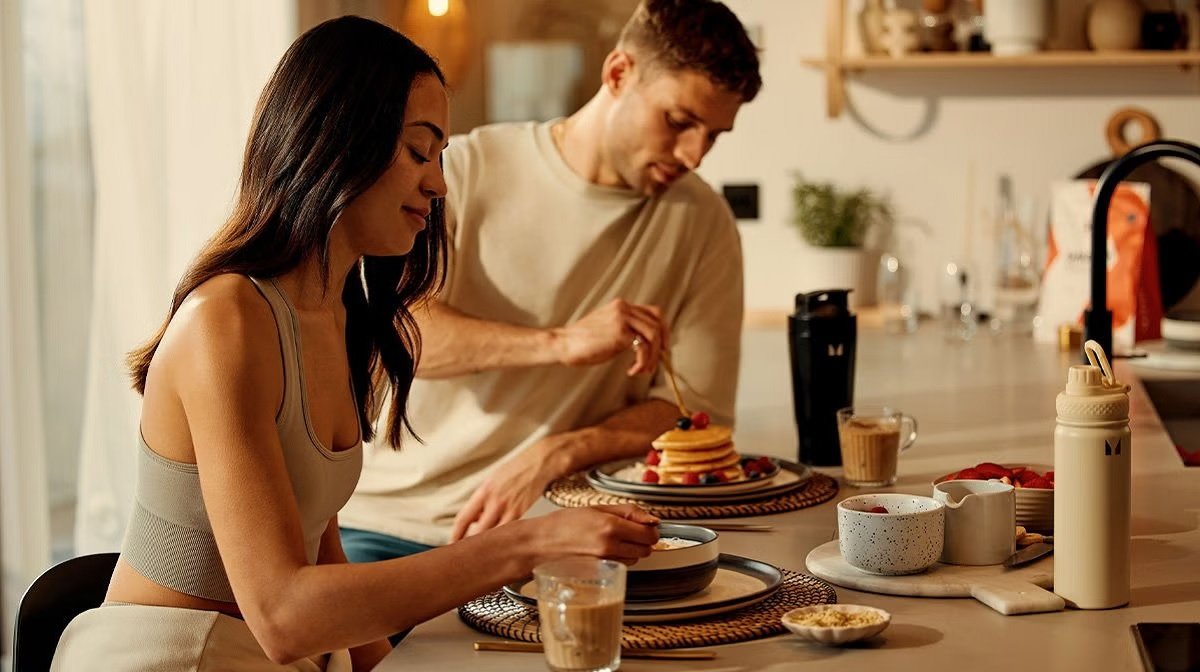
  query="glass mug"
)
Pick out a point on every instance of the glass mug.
point(580, 603)
point(872, 438)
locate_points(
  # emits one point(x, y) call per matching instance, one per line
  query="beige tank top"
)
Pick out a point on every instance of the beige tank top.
point(170, 540)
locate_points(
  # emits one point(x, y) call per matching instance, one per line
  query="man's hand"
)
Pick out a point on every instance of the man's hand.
point(608, 331)
point(510, 490)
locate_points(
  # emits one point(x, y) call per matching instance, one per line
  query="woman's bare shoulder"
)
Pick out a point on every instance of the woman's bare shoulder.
point(223, 327)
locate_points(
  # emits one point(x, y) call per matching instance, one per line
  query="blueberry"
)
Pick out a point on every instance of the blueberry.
point(709, 479)
point(754, 475)
point(684, 423)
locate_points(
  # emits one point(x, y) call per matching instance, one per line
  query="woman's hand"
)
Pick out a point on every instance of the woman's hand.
point(623, 533)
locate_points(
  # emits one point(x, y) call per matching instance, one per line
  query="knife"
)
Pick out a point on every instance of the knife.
point(1028, 554)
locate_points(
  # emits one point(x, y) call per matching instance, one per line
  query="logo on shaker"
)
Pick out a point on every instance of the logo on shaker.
point(835, 350)
point(1109, 450)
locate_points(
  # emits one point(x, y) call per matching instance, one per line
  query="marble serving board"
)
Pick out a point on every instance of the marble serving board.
point(1008, 591)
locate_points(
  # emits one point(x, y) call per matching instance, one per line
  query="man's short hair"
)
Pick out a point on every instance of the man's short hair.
point(701, 35)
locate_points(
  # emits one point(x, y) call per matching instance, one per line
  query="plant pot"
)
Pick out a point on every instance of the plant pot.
point(840, 268)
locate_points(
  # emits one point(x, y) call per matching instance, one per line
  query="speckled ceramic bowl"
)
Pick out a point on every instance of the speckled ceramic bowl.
point(905, 540)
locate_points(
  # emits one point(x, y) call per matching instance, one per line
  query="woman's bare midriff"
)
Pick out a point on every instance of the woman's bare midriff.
point(132, 588)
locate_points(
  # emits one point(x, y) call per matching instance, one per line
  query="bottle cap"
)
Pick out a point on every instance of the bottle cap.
point(1093, 393)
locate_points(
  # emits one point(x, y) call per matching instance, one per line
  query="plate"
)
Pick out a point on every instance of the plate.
point(602, 478)
point(740, 582)
point(791, 477)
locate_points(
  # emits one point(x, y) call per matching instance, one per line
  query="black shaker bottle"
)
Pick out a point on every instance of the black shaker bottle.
point(822, 337)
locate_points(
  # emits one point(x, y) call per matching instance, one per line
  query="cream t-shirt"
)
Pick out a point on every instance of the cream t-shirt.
point(534, 244)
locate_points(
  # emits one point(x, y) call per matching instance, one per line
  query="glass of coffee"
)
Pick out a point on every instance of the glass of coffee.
point(580, 602)
point(872, 439)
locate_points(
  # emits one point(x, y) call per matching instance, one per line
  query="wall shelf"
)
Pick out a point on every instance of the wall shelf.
point(837, 66)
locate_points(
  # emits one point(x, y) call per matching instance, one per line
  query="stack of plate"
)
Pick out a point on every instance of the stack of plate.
point(622, 478)
point(739, 582)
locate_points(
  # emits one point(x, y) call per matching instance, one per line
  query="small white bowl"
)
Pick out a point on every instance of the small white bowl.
point(835, 635)
point(905, 540)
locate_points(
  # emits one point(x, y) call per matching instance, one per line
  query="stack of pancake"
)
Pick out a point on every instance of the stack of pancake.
point(699, 451)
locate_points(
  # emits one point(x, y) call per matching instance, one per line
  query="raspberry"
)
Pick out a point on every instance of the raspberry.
point(765, 464)
point(649, 476)
point(691, 478)
point(652, 458)
point(721, 476)
point(877, 509)
point(700, 420)
point(684, 423)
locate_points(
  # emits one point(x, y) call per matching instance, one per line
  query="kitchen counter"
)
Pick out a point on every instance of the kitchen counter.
point(991, 399)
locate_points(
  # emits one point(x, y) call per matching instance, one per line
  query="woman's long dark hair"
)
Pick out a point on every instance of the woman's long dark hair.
point(325, 129)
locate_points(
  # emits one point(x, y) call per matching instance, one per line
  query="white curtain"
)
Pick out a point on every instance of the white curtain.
point(24, 513)
point(172, 84)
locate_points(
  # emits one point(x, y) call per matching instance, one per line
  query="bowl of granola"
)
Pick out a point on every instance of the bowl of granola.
point(836, 624)
point(684, 561)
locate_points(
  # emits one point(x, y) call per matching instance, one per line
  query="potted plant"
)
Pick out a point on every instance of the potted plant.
point(835, 222)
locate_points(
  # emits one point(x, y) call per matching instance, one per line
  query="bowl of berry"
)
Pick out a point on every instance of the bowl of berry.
point(891, 533)
point(1033, 483)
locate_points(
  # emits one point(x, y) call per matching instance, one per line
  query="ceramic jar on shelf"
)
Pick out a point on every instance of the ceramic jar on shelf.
point(1115, 25)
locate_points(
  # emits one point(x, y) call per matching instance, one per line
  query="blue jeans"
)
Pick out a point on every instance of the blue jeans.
point(365, 546)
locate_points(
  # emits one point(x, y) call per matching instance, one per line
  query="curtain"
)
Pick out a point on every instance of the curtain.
point(172, 86)
point(24, 513)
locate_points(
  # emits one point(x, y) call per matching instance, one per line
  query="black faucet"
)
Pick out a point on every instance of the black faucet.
point(1097, 324)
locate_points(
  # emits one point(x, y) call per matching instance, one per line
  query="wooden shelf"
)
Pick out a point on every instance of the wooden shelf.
point(837, 66)
point(1045, 59)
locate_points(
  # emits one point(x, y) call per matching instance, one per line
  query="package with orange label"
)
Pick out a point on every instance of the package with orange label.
point(1134, 296)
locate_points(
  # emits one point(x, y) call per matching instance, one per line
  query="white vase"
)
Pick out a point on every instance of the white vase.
point(1016, 27)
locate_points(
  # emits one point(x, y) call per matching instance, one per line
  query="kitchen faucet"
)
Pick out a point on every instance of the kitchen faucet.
point(1097, 325)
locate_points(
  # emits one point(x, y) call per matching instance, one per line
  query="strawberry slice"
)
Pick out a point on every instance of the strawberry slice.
point(971, 474)
point(1050, 476)
point(1027, 476)
point(877, 509)
point(992, 470)
point(1040, 482)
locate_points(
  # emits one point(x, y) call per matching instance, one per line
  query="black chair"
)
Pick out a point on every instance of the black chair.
point(60, 594)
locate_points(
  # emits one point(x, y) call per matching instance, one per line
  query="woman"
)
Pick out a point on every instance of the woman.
point(260, 388)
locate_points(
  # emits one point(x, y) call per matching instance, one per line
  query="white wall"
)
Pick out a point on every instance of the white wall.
point(1037, 126)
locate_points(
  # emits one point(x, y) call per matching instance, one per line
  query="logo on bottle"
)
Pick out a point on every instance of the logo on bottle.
point(1110, 450)
point(836, 350)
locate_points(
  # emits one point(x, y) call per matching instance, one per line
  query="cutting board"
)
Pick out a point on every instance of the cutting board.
point(1008, 591)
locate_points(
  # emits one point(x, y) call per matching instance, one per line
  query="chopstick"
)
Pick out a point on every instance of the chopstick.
point(666, 362)
point(730, 527)
point(653, 654)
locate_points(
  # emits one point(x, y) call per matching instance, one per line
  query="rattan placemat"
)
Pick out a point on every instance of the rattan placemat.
point(575, 491)
point(498, 614)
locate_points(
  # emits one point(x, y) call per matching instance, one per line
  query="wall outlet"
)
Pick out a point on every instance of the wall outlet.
point(743, 200)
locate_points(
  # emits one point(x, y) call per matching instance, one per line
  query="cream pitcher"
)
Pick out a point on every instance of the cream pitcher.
point(980, 520)
point(1092, 486)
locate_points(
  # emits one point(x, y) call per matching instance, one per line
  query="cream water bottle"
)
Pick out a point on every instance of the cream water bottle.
point(1092, 486)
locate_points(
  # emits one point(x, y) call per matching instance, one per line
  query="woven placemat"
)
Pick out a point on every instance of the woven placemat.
point(498, 614)
point(575, 491)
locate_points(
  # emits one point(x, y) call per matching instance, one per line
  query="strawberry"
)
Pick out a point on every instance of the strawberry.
point(877, 509)
point(1050, 476)
point(970, 474)
point(653, 458)
point(691, 478)
point(1027, 476)
point(649, 476)
point(992, 470)
point(1040, 482)
point(700, 420)
point(721, 476)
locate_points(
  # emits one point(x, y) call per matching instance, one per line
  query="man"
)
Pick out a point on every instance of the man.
point(583, 251)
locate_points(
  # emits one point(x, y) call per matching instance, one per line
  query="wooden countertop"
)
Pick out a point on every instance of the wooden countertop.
point(990, 399)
